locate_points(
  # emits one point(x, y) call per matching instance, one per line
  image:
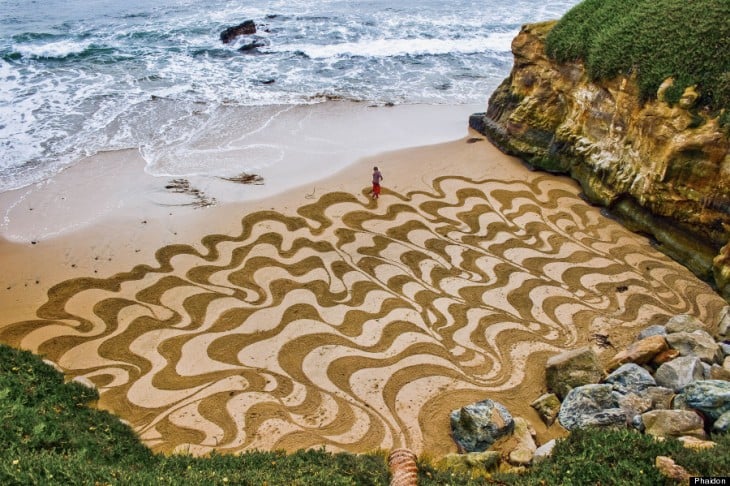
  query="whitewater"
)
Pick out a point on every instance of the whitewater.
point(81, 77)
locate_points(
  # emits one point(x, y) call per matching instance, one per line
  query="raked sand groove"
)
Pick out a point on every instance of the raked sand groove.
point(357, 325)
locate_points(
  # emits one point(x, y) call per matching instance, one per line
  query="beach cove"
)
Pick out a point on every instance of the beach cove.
point(311, 315)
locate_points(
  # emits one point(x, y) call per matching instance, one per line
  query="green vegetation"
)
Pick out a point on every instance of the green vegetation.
point(655, 39)
point(622, 457)
point(50, 435)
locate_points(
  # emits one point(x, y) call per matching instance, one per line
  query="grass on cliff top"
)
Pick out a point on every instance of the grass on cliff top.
point(50, 435)
point(656, 39)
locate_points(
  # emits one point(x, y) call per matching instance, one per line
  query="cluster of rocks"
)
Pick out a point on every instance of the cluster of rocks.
point(672, 381)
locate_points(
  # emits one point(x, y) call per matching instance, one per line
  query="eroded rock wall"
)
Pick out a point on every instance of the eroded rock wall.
point(665, 170)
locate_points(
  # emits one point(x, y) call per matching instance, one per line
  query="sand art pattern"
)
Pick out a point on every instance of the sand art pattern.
point(355, 326)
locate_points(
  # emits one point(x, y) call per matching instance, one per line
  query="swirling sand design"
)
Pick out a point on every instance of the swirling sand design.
point(356, 325)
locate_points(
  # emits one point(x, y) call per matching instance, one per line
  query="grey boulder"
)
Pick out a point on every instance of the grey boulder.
point(477, 426)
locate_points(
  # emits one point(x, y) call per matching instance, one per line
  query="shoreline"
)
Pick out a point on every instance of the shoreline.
point(288, 146)
point(317, 317)
point(88, 201)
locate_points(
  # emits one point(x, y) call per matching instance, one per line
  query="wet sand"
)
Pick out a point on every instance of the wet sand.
point(319, 317)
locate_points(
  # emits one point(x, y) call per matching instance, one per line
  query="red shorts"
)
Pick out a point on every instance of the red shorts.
point(376, 189)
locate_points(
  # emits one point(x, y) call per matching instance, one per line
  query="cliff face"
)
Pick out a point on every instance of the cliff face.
point(664, 170)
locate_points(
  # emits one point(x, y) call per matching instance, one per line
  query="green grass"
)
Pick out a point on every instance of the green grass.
point(50, 435)
point(655, 39)
point(622, 456)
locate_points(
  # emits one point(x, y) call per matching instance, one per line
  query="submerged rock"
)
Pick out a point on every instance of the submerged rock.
point(247, 27)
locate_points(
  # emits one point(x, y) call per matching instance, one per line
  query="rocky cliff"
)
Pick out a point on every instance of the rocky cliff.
point(664, 170)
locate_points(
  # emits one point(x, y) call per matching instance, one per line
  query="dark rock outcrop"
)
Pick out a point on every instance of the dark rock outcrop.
point(664, 170)
point(247, 27)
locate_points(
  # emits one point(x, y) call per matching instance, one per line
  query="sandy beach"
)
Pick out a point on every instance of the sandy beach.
point(301, 313)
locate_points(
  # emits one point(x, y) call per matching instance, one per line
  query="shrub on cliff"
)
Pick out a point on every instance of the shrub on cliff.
point(655, 39)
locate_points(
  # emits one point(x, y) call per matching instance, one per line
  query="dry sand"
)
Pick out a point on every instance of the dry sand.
point(319, 317)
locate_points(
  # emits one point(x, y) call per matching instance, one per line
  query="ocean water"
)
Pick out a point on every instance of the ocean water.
point(82, 76)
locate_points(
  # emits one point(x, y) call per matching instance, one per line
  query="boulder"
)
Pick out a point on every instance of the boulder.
point(634, 404)
point(694, 443)
point(544, 451)
point(572, 369)
point(696, 343)
point(655, 330)
point(679, 403)
point(684, 323)
point(474, 463)
point(637, 423)
point(591, 405)
point(661, 397)
point(547, 407)
point(706, 371)
point(673, 423)
point(671, 470)
point(664, 356)
point(723, 327)
point(718, 372)
point(725, 348)
point(639, 352)
point(629, 378)
point(722, 424)
point(711, 397)
point(726, 363)
point(678, 373)
point(525, 447)
point(477, 426)
point(247, 27)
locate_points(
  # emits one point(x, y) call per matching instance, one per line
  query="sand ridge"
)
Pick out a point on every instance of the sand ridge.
point(355, 324)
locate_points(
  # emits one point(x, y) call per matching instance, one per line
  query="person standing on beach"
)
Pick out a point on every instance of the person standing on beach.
point(377, 177)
